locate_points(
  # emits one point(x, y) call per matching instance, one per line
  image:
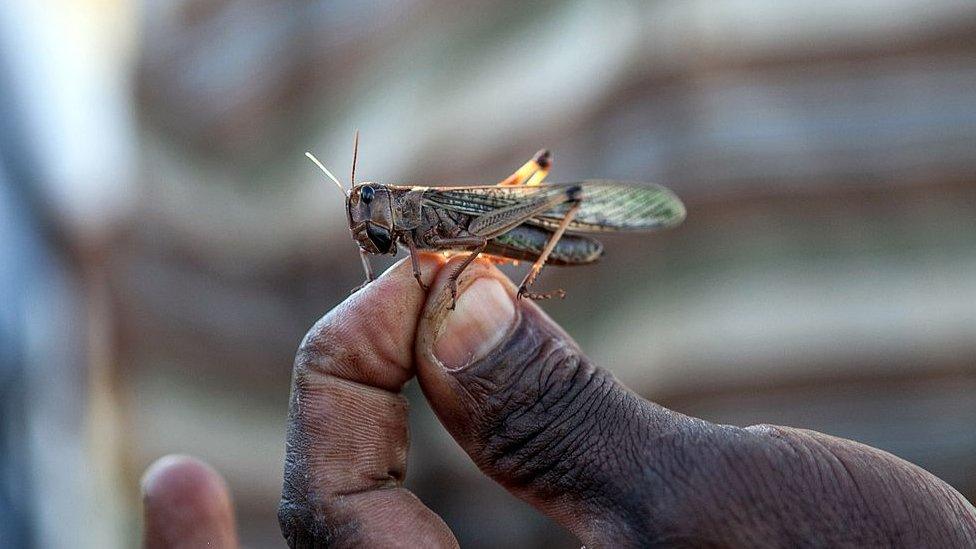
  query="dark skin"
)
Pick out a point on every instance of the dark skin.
point(556, 430)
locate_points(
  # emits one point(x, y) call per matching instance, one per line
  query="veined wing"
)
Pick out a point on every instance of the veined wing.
point(606, 205)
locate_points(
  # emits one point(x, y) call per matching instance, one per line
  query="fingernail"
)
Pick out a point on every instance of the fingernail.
point(483, 316)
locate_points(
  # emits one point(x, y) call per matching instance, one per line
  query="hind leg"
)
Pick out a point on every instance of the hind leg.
point(523, 290)
point(532, 172)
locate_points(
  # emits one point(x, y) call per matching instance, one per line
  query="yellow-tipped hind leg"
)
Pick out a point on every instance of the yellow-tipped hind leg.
point(532, 172)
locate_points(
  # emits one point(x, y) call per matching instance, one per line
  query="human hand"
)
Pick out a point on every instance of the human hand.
point(538, 417)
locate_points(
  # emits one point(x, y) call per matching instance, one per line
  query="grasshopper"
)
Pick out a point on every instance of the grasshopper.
point(520, 218)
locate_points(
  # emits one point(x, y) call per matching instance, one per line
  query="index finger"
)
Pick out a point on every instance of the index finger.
point(347, 443)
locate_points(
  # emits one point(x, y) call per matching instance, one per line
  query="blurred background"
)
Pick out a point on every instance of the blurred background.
point(164, 245)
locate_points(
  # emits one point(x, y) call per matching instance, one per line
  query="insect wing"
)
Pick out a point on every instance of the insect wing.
point(477, 200)
point(606, 205)
point(620, 206)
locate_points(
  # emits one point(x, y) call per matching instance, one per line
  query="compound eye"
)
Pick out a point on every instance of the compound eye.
point(366, 194)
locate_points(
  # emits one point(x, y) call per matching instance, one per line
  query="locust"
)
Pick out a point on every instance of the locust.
point(521, 218)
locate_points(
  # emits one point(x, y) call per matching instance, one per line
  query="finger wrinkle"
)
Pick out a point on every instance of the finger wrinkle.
point(335, 348)
point(354, 436)
point(333, 353)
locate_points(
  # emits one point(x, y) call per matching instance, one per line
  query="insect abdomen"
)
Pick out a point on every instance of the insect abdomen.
point(526, 242)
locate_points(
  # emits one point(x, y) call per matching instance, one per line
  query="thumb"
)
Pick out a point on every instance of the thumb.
point(537, 416)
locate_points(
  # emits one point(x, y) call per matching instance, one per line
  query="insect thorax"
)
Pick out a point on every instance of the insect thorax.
point(407, 208)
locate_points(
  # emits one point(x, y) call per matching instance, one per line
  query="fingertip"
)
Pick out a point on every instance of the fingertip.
point(176, 477)
point(186, 501)
point(373, 330)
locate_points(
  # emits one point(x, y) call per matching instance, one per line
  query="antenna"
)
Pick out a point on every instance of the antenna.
point(355, 155)
point(325, 170)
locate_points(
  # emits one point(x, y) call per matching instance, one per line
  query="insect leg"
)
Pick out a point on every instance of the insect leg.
point(475, 243)
point(452, 280)
point(545, 163)
point(532, 172)
point(523, 290)
point(366, 267)
point(413, 259)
